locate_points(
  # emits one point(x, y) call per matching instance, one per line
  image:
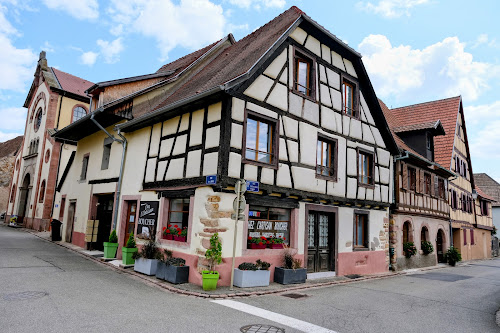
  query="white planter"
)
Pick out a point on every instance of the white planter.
point(258, 278)
point(146, 266)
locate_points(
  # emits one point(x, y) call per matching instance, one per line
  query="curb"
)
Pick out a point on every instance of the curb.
point(231, 294)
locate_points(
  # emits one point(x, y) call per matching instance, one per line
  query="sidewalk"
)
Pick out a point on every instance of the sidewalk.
point(224, 292)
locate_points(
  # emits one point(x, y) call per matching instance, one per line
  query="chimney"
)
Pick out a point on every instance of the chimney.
point(42, 61)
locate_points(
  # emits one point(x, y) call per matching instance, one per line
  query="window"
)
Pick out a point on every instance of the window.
point(260, 140)
point(106, 153)
point(13, 193)
point(38, 119)
point(303, 75)
point(365, 167)
point(178, 216)
point(349, 99)
point(465, 237)
point(78, 113)
point(427, 183)
point(423, 234)
point(41, 196)
point(85, 164)
point(326, 158)
point(407, 237)
point(268, 222)
point(429, 141)
point(454, 199)
point(484, 207)
point(360, 230)
point(441, 190)
point(472, 237)
point(412, 179)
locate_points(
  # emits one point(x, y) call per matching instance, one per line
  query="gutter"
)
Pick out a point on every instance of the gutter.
point(123, 141)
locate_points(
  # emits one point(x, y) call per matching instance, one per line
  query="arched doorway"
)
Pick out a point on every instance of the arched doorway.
point(24, 194)
point(440, 242)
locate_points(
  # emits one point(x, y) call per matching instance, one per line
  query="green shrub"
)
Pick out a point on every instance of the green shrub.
point(410, 249)
point(453, 256)
point(131, 241)
point(247, 266)
point(113, 238)
point(214, 253)
point(175, 262)
point(427, 247)
point(263, 265)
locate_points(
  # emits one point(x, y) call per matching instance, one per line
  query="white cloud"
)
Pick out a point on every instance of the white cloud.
point(7, 136)
point(88, 58)
point(111, 50)
point(12, 119)
point(391, 8)
point(188, 23)
point(79, 9)
point(440, 70)
point(482, 114)
point(484, 144)
point(257, 4)
point(47, 47)
point(483, 39)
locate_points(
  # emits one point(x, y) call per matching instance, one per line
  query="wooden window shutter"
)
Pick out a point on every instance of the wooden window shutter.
point(446, 189)
point(436, 186)
point(421, 181)
point(404, 183)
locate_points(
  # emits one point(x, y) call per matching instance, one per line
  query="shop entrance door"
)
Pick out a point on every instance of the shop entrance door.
point(104, 216)
point(320, 250)
point(130, 223)
point(439, 246)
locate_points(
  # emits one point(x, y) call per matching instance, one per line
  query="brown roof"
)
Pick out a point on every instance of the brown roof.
point(71, 83)
point(236, 59)
point(445, 110)
point(488, 186)
point(482, 194)
point(415, 127)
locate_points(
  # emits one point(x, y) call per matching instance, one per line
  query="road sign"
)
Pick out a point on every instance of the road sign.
point(242, 203)
point(241, 217)
point(252, 186)
point(211, 180)
point(242, 185)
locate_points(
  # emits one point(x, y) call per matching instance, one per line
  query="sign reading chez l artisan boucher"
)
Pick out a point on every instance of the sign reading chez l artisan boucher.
point(148, 216)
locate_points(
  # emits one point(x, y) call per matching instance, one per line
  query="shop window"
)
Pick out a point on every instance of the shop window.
point(85, 164)
point(427, 183)
point(78, 113)
point(349, 98)
point(260, 139)
point(41, 195)
point(267, 223)
point(178, 218)
point(303, 82)
point(326, 158)
point(365, 168)
point(360, 231)
point(412, 179)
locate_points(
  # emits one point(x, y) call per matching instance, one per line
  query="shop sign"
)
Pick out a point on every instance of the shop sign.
point(266, 228)
point(148, 216)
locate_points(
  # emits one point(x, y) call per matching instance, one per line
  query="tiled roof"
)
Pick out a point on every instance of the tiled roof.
point(415, 127)
point(236, 59)
point(488, 186)
point(71, 83)
point(482, 194)
point(445, 110)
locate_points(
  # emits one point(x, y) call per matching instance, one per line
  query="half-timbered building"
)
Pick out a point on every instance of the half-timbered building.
point(421, 211)
point(55, 100)
point(290, 108)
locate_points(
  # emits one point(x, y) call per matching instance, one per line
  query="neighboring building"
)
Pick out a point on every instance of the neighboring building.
point(451, 151)
point(8, 152)
point(291, 107)
point(492, 189)
point(55, 100)
point(421, 211)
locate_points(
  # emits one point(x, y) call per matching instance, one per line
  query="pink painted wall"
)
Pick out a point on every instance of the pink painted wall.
point(361, 262)
point(78, 239)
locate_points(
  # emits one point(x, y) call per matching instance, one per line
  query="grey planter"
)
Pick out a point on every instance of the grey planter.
point(146, 266)
point(177, 274)
point(290, 276)
point(161, 270)
point(245, 279)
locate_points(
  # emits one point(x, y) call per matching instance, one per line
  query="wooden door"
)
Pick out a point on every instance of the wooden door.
point(439, 246)
point(130, 223)
point(104, 216)
point(320, 252)
point(61, 209)
point(70, 222)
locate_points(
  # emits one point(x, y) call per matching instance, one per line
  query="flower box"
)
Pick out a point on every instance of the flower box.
point(255, 246)
point(245, 279)
point(276, 246)
point(169, 237)
point(180, 238)
point(161, 270)
point(290, 276)
point(146, 266)
point(177, 274)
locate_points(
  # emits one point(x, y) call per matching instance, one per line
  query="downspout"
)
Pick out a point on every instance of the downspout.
point(451, 229)
point(59, 112)
point(123, 141)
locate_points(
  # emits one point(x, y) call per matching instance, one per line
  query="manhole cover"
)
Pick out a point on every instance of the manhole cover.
point(295, 296)
point(353, 276)
point(23, 295)
point(258, 328)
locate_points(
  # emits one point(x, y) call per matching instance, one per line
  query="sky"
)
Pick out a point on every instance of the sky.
point(414, 50)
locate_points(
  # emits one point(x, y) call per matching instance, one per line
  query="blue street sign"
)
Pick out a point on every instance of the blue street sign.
point(252, 186)
point(211, 180)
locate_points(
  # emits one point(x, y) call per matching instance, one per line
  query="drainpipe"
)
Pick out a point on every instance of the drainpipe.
point(451, 229)
point(123, 141)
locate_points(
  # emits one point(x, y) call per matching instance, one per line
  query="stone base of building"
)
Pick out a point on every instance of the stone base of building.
point(416, 261)
point(362, 263)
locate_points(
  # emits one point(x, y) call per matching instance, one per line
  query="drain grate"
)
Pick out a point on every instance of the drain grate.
point(353, 276)
point(258, 328)
point(24, 295)
point(294, 296)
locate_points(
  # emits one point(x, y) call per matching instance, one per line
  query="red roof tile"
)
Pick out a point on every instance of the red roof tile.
point(71, 83)
point(482, 194)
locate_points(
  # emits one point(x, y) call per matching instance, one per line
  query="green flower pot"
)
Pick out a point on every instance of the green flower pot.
point(210, 280)
point(110, 249)
point(127, 254)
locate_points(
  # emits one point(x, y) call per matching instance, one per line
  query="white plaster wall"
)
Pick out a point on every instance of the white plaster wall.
point(196, 128)
point(259, 88)
point(275, 67)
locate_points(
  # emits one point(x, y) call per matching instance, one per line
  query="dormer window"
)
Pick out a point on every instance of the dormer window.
point(303, 79)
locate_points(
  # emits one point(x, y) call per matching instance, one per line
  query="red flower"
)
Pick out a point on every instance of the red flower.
point(175, 226)
point(268, 242)
point(249, 238)
point(178, 229)
point(264, 238)
point(168, 231)
point(284, 238)
point(164, 228)
point(260, 243)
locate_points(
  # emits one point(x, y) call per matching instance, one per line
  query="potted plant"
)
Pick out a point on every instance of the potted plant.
point(452, 256)
point(252, 275)
point(276, 242)
point(167, 234)
point(291, 271)
point(214, 257)
point(172, 269)
point(129, 250)
point(409, 249)
point(257, 242)
point(427, 247)
point(111, 246)
point(147, 258)
point(181, 234)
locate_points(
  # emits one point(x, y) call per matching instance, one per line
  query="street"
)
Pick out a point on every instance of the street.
point(47, 288)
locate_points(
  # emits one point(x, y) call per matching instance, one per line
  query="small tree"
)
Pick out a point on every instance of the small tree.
point(214, 253)
point(427, 247)
point(409, 249)
point(113, 238)
point(130, 242)
point(453, 256)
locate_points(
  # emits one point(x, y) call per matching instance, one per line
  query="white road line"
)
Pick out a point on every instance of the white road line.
point(276, 317)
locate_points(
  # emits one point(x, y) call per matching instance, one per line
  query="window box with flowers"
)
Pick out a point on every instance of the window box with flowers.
point(257, 243)
point(169, 232)
point(276, 242)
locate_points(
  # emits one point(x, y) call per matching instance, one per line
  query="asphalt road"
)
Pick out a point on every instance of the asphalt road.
point(47, 288)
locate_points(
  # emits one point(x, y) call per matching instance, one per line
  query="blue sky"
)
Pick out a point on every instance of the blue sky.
point(414, 50)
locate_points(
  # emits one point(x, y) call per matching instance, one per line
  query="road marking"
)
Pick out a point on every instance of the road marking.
point(273, 316)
